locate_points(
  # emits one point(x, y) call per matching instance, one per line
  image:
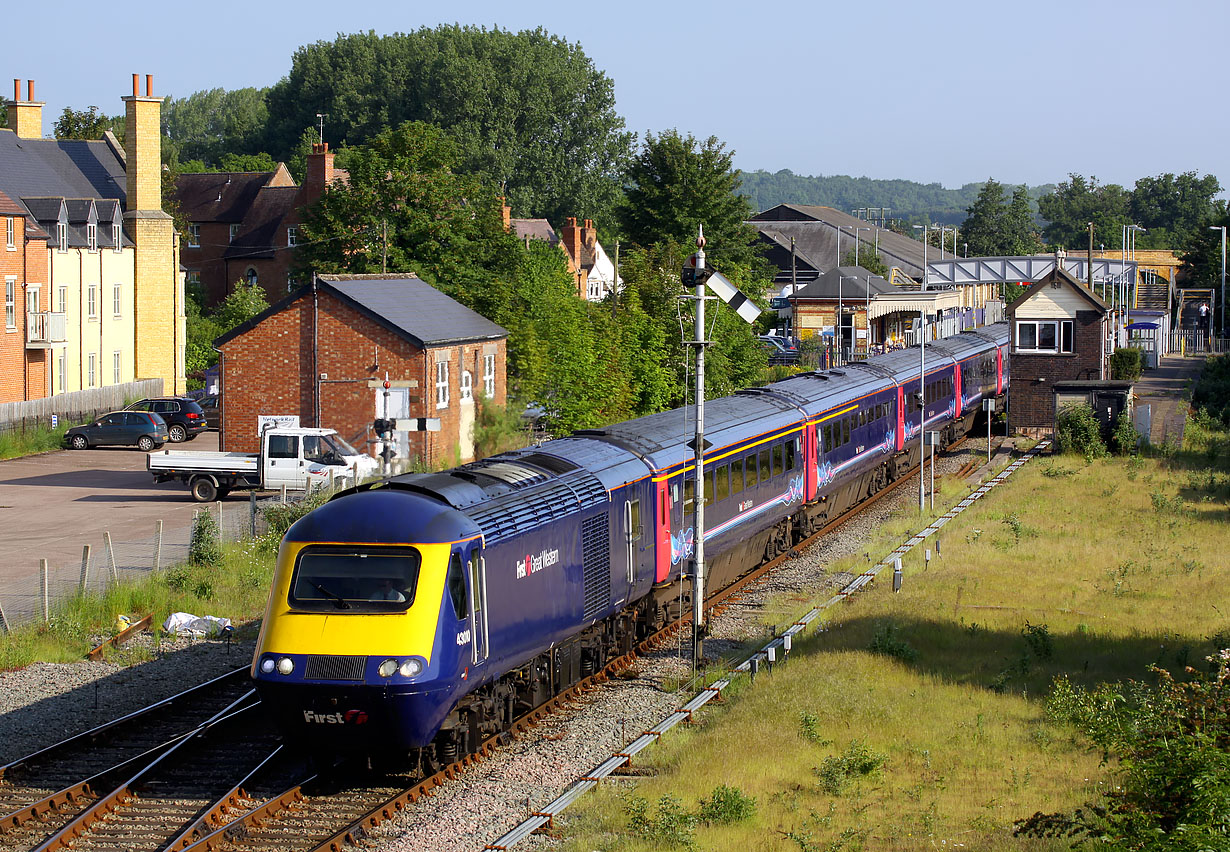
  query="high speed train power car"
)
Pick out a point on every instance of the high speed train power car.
point(418, 615)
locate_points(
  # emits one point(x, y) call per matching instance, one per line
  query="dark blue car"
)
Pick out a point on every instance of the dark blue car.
point(142, 429)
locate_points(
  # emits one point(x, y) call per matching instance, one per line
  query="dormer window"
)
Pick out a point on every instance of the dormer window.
point(62, 236)
point(116, 237)
point(10, 234)
point(194, 235)
point(91, 237)
point(292, 236)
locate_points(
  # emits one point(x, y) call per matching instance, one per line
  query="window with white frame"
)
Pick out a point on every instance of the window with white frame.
point(234, 232)
point(89, 371)
point(10, 303)
point(91, 237)
point(194, 235)
point(10, 234)
point(62, 378)
point(466, 386)
point(117, 237)
point(115, 367)
point(62, 301)
point(116, 299)
point(292, 236)
point(61, 237)
point(442, 384)
point(489, 376)
point(91, 301)
point(1044, 336)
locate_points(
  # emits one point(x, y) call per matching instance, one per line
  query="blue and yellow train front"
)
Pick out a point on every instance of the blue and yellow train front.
point(365, 642)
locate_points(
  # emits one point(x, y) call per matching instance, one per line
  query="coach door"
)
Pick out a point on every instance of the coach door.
point(478, 604)
point(634, 541)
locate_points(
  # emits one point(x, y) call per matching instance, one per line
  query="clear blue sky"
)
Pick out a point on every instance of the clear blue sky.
point(933, 92)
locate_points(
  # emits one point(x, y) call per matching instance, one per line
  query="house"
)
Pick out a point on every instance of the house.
point(244, 226)
point(344, 350)
point(587, 260)
point(845, 291)
point(1060, 333)
point(93, 292)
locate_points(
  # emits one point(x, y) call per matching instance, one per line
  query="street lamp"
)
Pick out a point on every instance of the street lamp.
point(1222, 228)
point(1131, 233)
point(840, 311)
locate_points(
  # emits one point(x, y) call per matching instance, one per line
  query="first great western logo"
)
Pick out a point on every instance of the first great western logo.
point(532, 564)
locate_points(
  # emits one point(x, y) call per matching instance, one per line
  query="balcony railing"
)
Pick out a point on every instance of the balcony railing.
point(45, 329)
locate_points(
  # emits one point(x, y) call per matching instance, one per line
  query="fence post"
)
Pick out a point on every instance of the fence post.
point(252, 514)
point(221, 531)
point(84, 582)
point(42, 574)
point(115, 574)
point(158, 544)
point(4, 621)
point(283, 493)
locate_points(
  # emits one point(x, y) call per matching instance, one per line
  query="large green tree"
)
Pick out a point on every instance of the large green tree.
point(1075, 203)
point(1173, 207)
point(87, 124)
point(527, 110)
point(996, 226)
point(406, 209)
point(678, 183)
point(211, 123)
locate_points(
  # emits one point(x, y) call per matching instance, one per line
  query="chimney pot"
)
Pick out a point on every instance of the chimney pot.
point(149, 85)
point(589, 223)
point(29, 90)
point(571, 221)
point(136, 85)
point(17, 89)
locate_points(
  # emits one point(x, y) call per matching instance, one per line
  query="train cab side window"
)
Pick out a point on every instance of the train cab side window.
point(791, 449)
point(457, 588)
point(710, 486)
point(736, 476)
point(722, 490)
point(777, 460)
point(766, 469)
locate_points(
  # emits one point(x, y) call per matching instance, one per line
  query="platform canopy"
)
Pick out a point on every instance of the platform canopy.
point(913, 301)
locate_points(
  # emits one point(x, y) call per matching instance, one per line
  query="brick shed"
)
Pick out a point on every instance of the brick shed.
point(324, 352)
point(1060, 332)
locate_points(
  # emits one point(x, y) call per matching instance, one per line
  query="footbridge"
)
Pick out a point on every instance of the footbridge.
point(1114, 279)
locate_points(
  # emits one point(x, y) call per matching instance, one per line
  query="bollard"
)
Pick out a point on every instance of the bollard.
point(252, 514)
point(42, 573)
point(157, 544)
point(84, 582)
point(283, 494)
point(927, 558)
point(770, 655)
point(786, 646)
point(115, 574)
point(897, 574)
point(937, 548)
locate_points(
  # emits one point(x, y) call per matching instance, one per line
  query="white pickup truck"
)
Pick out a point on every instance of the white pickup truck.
point(299, 459)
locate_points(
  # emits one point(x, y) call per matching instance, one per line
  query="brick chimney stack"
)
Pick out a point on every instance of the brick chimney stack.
point(319, 171)
point(143, 146)
point(589, 236)
point(25, 117)
point(505, 214)
point(570, 236)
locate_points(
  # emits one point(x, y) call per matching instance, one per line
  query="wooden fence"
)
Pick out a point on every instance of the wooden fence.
point(75, 406)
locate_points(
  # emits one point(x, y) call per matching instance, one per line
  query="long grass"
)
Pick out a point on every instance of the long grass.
point(1093, 570)
point(38, 439)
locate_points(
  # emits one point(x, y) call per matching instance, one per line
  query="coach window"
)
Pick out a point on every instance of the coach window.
point(790, 449)
point(689, 496)
point(710, 486)
point(777, 460)
point(845, 430)
point(766, 467)
point(828, 437)
point(722, 491)
point(736, 476)
point(750, 469)
point(457, 588)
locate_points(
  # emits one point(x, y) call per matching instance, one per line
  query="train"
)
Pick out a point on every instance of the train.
point(414, 617)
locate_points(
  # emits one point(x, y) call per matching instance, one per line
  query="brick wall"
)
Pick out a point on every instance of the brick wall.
point(1030, 394)
point(269, 370)
point(23, 372)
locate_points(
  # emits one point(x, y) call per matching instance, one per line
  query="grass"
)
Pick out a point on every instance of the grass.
point(917, 720)
point(235, 589)
point(36, 439)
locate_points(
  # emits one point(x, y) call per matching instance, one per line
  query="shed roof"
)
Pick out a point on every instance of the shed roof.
point(849, 282)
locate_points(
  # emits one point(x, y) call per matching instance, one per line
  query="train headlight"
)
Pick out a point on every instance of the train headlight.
point(411, 668)
point(387, 668)
point(286, 665)
point(268, 665)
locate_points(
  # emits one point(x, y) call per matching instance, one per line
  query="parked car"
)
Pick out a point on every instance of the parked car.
point(143, 429)
point(211, 405)
point(184, 417)
point(779, 352)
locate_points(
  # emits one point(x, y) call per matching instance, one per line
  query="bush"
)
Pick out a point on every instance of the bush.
point(498, 428)
point(887, 641)
point(1077, 431)
point(727, 805)
point(1125, 439)
point(205, 548)
point(1211, 395)
point(837, 773)
point(1126, 364)
point(279, 517)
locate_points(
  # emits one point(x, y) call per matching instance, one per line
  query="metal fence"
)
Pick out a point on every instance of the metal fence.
point(106, 562)
point(78, 406)
point(1198, 340)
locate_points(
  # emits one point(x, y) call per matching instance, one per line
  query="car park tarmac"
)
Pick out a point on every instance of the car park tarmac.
point(52, 504)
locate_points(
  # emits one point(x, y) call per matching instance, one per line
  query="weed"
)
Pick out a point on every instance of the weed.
point(1165, 505)
point(1077, 431)
point(205, 548)
point(887, 641)
point(1135, 463)
point(672, 825)
point(1110, 490)
point(727, 805)
point(1038, 639)
point(836, 774)
point(809, 727)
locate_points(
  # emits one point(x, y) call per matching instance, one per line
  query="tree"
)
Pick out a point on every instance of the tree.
point(244, 302)
point(983, 228)
point(213, 122)
point(527, 110)
point(405, 209)
point(87, 124)
point(1077, 202)
point(677, 184)
point(1201, 251)
point(1172, 208)
point(260, 162)
point(868, 258)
